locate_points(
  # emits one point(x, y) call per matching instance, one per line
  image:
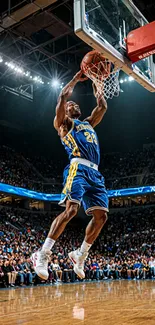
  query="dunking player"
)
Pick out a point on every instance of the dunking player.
point(82, 180)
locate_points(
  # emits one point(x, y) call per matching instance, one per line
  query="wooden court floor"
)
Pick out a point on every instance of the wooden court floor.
point(103, 303)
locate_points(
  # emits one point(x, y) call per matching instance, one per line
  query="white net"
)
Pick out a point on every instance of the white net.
point(105, 76)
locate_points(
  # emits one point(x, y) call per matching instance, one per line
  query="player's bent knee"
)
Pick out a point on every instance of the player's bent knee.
point(71, 211)
point(100, 214)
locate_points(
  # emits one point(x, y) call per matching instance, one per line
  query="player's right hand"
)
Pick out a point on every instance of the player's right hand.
point(67, 92)
point(68, 89)
point(80, 77)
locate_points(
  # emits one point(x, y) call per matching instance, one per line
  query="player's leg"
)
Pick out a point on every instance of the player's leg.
point(95, 203)
point(92, 231)
point(60, 222)
point(74, 184)
point(40, 258)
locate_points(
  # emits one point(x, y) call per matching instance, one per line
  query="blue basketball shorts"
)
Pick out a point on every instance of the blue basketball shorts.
point(84, 185)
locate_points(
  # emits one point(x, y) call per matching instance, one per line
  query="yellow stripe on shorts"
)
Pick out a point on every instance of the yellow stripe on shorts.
point(72, 173)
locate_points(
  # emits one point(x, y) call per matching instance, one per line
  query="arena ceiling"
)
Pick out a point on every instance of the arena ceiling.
point(43, 41)
point(38, 34)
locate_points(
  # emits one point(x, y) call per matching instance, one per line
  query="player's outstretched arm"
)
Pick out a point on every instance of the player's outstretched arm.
point(63, 97)
point(98, 112)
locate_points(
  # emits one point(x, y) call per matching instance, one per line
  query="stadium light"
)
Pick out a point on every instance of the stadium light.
point(27, 73)
point(11, 65)
point(130, 78)
point(38, 79)
point(55, 83)
point(19, 70)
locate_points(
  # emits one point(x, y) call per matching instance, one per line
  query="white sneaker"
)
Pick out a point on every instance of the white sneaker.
point(40, 263)
point(78, 260)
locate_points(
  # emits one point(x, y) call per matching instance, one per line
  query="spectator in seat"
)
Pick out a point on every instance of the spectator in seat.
point(88, 269)
point(119, 269)
point(21, 272)
point(95, 269)
point(27, 270)
point(71, 273)
point(124, 269)
point(67, 270)
point(113, 273)
point(152, 266)
point(13, 272)
point(137, 267)
point(100, 263)
point(130, 270)
point(2, 277)
point(50, 271)
point(56, 267)
point(145, 269)
point(106, 269)
point(7, 270)
point(20, 275)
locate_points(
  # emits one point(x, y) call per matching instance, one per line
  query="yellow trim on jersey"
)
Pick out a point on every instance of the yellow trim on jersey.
point(72, 173)
point(71, 143)
point(75, 151)
point(69, 131)
point(67, 143)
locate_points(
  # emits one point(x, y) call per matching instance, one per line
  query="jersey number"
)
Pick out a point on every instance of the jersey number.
point(90, 137)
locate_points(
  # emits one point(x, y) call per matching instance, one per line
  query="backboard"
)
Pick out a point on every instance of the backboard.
point(104, 25)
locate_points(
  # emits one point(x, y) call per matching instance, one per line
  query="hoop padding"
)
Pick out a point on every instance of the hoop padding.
point(141, 42)
point(105, 76)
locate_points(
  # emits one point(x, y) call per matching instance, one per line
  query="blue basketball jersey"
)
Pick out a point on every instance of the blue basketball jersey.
point(81, 141)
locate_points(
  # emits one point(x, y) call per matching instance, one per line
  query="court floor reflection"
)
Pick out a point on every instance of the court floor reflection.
point(113, 302)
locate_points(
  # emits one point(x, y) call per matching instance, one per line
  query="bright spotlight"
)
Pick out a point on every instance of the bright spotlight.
point(11, 66)
point(55, 83)
point(125, 80)
point(27, 73)
point(131, 78)
point(19, 70)
point(1, 59)
point(35, 78)
point(121, 81)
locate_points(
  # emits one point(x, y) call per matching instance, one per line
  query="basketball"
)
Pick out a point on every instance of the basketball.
point(90, 59)
point(94, 61)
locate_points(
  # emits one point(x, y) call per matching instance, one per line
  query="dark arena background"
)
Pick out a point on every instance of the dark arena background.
point(39, 55)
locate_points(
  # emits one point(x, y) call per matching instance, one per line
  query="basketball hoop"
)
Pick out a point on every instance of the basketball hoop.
point(103, 73)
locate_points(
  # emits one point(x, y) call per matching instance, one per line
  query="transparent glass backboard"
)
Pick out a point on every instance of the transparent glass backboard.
point(104, 25)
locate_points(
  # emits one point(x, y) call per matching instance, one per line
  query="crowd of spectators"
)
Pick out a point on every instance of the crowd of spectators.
point(48, 167)
point(128, 164)
point(125, 249)
point(45, 175)
point(16, 170)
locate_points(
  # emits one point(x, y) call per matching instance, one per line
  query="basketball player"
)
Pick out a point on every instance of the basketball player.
point(83, 183)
